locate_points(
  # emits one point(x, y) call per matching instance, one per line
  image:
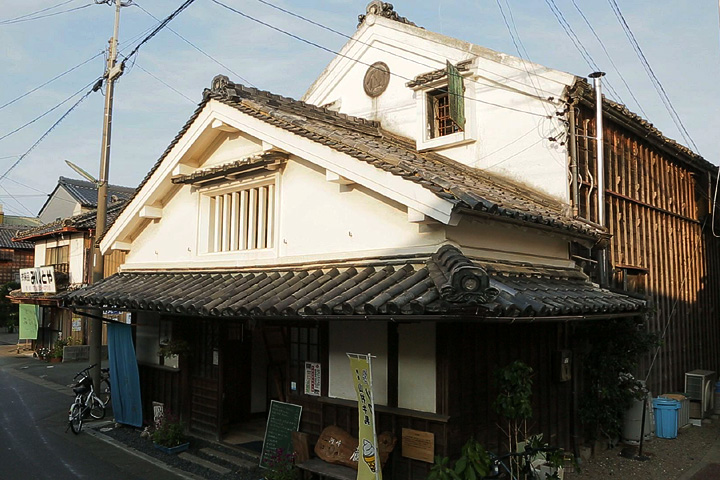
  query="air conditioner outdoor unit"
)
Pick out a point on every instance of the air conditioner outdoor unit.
point(700, 388)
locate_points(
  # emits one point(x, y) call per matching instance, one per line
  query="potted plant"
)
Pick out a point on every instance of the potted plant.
point(56, 354)
point(174, 347)
point(281, 466)
point(169, 435)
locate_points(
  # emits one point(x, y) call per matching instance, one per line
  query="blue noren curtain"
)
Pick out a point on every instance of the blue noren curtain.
point(124, 376)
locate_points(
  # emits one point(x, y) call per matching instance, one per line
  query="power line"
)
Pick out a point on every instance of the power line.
point(330, 29)
point(166, 84)
point(607, 54)
point(517, 41)
point(198, 48)
point(47, 15)
point(651, 74)
point(50, 81)
point(37, 11)
point(17, 162)
point(321, 47)
point(567, 28)
point(47, 112)
point(22, 206)
point(162, 25)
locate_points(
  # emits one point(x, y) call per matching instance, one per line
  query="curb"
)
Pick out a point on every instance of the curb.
point(111, 441)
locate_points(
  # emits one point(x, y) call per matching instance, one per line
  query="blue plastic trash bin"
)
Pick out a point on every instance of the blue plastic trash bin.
point(666, 417)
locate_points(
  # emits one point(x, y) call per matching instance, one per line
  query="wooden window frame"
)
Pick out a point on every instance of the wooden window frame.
point(53, 257)
point(240, 217)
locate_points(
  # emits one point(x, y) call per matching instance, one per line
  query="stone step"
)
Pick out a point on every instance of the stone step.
point(204, 463)
point(240, 462)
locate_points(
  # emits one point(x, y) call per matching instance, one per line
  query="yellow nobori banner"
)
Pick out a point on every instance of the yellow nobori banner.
point(368, 456)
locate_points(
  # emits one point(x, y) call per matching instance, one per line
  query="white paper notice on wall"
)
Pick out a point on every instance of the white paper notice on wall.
point(313, 378)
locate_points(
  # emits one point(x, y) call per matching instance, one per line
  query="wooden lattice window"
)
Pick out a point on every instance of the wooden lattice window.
point(440, 122)
point(243, 219)
point(304, 347)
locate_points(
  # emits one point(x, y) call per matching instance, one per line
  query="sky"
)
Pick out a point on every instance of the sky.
point(163, 84)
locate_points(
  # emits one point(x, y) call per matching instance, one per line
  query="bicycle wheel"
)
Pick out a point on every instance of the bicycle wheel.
point(75, 418)
point(97, 409)
point(104, 393)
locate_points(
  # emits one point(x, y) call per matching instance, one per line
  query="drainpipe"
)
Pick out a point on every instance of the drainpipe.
point(573, 161)
point(600, 161)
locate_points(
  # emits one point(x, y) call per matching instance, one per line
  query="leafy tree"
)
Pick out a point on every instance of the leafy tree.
point(9, 315)
point(615, 349)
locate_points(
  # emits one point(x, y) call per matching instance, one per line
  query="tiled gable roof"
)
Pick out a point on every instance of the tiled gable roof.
point(446, 283)
point(82, 221)
point(7, 233)
point(365, 140)
point(86, 192)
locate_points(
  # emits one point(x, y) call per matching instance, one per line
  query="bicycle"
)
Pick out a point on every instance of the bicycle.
point(86, 402)
point(531, 464)
point(104, 393)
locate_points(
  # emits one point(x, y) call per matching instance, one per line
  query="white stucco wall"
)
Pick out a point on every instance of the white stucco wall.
point(316, 218)
point(60, 205)
point(76, 251)
point(506, 99)
point(417, 367)
point(357, 337)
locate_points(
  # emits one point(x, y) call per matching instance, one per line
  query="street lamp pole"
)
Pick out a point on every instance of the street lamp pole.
point(113, 71)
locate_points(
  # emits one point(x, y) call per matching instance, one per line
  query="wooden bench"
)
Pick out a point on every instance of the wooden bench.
point(326, 470)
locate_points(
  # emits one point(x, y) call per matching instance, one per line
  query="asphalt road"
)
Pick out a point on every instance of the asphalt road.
point(34, 444)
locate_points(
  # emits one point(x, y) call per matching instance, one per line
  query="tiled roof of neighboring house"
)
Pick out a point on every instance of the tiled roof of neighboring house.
point(649, 131)
point(86, 192)
point(365, 140)
point(7, 233)
point(82, 221)
point(445, 284)
point(17, 221)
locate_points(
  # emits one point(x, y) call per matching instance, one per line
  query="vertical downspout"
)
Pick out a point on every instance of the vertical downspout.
point(573, 160)
point(600, 180)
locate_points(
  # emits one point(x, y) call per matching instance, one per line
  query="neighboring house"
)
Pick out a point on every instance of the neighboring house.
point(418, 211)
point(13, 255)
point(73, 197)
point(66, 246)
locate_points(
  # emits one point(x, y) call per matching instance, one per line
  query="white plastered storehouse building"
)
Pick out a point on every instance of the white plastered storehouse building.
point(274, 232)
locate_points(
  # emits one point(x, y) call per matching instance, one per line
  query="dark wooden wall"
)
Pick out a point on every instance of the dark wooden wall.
point(160, 384)
point(657, 209)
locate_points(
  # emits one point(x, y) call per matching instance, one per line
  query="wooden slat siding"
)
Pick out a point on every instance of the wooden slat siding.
point(112, 262)
point(655, 215)
point(160, 385)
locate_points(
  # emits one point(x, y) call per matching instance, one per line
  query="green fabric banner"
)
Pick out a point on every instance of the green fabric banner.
point(29, 317)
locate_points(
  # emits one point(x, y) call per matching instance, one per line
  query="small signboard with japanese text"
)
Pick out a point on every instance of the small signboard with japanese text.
point(418, 445)
point(313, 378)
point(38, 279)
point(116, 315)
point(283, 419)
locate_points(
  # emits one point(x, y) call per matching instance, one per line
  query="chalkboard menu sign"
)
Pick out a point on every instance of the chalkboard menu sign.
point(283, 419)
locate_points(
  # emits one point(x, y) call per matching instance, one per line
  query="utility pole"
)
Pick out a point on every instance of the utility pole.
point(112, 72)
